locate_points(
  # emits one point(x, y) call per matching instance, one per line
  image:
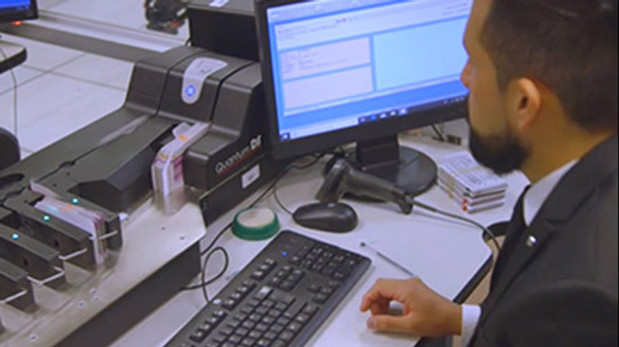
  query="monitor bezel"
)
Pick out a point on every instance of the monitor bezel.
point(333, 139)
point(12, 14)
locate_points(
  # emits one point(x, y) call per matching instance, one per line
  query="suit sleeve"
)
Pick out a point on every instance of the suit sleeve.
point(568, 313)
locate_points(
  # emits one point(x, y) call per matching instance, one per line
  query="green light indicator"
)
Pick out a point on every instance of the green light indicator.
point(75, 201)
point(47, 218)
point(15, 236)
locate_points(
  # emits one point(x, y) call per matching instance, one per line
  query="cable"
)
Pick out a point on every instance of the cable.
point(317, 159)
point(438, 133)
point(279, 202)
point(223, 270)
point(203, 282)
point(455, 216)
point(14, 79)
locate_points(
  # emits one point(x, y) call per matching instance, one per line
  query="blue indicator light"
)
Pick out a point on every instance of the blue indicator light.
point(75, 201)
point(47, 218)
point(15, 236)
point(284, 254)
point(190, 90)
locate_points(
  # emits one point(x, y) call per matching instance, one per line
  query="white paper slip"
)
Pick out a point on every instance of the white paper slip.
point(453, 188)
point(458, 197)
point(483, 207)
point(463, 170)
point(89, 221)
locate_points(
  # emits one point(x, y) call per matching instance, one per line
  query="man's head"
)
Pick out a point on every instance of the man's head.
point(532, 59)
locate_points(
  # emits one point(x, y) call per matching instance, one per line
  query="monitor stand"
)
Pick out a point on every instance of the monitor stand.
point(11, 55)
point(410, 170)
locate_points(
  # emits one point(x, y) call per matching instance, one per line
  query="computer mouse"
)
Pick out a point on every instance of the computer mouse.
point(333, 216)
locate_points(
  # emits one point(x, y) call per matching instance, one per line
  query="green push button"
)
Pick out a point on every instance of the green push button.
point(257, 223)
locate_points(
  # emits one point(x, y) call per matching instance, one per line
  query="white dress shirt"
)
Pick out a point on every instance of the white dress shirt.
point(533, 200)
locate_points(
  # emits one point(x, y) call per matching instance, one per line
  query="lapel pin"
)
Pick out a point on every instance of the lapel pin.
point(531, 241)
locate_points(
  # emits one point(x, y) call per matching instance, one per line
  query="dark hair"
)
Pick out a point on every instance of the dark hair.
point(570, 46)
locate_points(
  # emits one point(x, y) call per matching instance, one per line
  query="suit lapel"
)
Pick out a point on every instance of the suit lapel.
point(514, 231)
point(572, 189)
point(523, 249)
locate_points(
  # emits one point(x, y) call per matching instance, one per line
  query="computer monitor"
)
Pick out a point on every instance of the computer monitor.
point(15, 10)
point(343, 71)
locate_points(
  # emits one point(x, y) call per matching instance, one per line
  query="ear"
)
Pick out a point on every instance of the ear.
point(526, 102)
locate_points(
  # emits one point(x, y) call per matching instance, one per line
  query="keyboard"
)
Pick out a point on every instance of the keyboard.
point(279, 299)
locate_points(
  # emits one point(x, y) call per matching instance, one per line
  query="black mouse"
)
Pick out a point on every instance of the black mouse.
point(332, 216)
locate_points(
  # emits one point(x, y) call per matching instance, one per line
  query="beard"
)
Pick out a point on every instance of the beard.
point(500, 153)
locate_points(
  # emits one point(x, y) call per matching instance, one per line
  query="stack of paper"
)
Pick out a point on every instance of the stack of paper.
point(472, 186)
point(167, 168)
point(87, 220)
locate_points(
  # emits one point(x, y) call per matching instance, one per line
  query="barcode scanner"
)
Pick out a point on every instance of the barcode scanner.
point(343, 178)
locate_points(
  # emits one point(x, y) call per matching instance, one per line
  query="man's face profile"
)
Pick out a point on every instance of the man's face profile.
point(492, 140)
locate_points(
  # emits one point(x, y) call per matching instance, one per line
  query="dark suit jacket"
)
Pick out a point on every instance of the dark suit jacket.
point(561, 289)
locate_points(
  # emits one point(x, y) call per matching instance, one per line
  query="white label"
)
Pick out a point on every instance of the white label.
point(250, 176)
point(194, 76)
point(218, 3)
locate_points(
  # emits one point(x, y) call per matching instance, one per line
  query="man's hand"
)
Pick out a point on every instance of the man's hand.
point(426, 313)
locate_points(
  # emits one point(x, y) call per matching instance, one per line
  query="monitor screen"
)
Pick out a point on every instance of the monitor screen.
point(14, 10)
point(341, 71)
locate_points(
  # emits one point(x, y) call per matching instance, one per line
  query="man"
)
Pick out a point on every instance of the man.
point(542, 76)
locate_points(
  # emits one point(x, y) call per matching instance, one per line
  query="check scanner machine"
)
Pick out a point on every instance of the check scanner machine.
point(192, 120)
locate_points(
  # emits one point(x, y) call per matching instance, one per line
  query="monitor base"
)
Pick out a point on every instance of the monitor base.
point(415, 173)
point(409, 169)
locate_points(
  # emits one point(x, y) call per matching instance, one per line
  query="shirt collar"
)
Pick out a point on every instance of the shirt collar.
point(536, 195)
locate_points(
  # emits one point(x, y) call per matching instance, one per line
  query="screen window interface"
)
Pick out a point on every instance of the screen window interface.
point(340, 63)
point(14, 4)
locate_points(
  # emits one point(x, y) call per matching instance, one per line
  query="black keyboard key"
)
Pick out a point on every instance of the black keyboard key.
point(220, 314)
point(220, 338)
point(233, 324)
point(198, 336)
point(320, 298)
point(247, 342)
point(277, 328)
point(248, 324)
point(313, 288)
point(206, 327)
point(263, 343)
point(229, 304)
point(310, 309)
point(301, 318)
point(268, 320)
point(258, 275)
point(294, 327)
point(255, 334)
point(262, 310)
point(286, 336)
point(263, 293)
point(292, 311)
point(226, 331)
point(270, 335)
point(262, 327)
point(235, 339)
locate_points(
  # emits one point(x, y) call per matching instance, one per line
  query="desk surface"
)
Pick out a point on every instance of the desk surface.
point(445, 254)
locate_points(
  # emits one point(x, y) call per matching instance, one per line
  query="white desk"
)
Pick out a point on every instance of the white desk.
point(446, 255)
